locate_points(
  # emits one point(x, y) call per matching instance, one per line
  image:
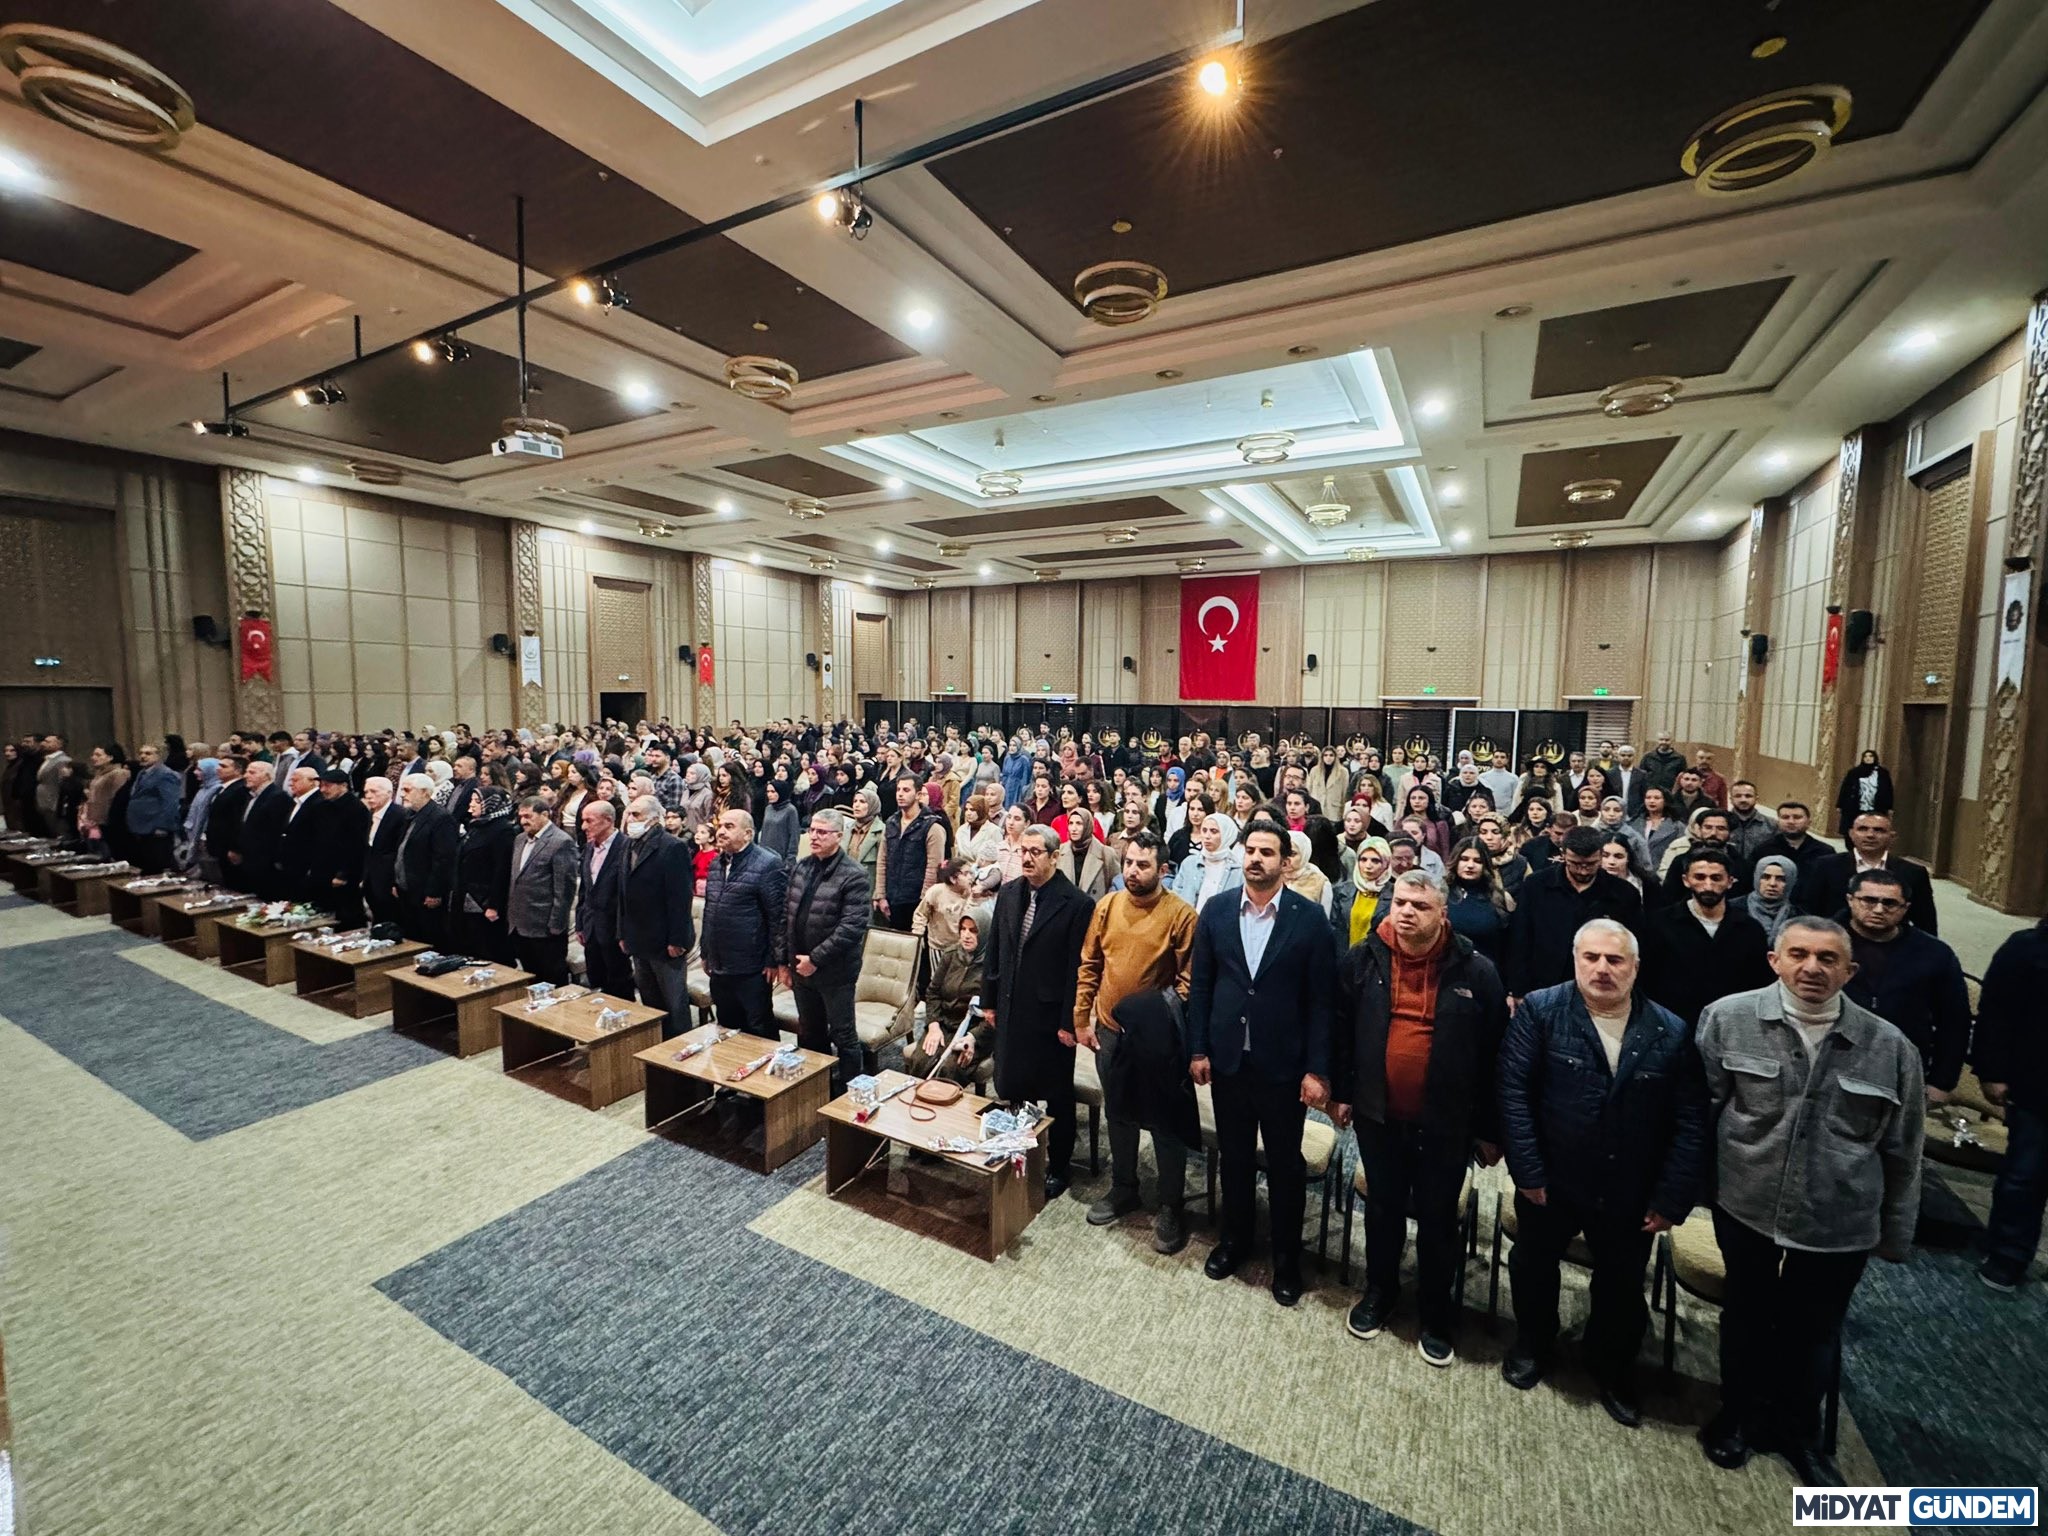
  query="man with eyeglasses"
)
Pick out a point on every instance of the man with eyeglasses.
point(1908, 977)
point(1871, 835)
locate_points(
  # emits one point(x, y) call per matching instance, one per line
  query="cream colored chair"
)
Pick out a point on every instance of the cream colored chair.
point(883, 1007)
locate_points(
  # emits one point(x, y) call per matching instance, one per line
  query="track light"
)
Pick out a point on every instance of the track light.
point(846, 209)
point(603, 291)
point(227, 428)
point(440, 349)
point(326, 392)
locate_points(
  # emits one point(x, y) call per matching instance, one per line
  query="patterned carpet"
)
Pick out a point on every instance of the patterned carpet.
point(269, 1270)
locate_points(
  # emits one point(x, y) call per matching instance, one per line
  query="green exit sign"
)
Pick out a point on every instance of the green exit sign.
point(949, 687)
point(1601, 693)
point(1045, 687)
point(1430, 689)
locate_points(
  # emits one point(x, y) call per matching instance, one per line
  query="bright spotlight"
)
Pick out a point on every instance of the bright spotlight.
point(1214, 77)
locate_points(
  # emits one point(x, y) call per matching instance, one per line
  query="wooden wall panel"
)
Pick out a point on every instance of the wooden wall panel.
point(952, 644)
point(995, 642)
point(1433, 633)
point(621, 637)
point(1049, 638)
point(1607, 605)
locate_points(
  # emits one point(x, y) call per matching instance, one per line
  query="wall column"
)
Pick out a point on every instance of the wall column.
point(1756, 607)
point(706, 694)
point(245, 522)
point(2016, 743)
point(529, 697)
point(1849, 580)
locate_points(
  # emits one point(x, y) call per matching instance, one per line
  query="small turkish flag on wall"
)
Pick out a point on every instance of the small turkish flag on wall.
point(259, 658)
point(1219, 637)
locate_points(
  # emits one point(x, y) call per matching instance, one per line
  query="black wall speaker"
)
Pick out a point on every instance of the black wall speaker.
point(1130, 664)
point(1759, 648)
point(1857, 629)
point(206, 630)
point(811, 660)
point(685, 655)
point(1309, 662)
point(501, 645)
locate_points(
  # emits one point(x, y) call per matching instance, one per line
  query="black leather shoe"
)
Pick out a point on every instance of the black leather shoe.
point(1055, 1185)
point(1721, 1438)
point(1813, 1467)
point(1522, 1370)
point(1622, 1405)
point(1287, 1284)
point(1368, 1317)
point(1223, 1262)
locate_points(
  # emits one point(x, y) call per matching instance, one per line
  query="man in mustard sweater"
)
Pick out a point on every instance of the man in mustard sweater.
point(1141, 939)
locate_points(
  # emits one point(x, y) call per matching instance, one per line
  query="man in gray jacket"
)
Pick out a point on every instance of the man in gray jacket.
point(1817, 1109)
point(543, 890)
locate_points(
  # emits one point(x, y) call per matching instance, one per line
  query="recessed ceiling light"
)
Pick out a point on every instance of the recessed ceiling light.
point(1451, 493)
point(1272, 549)
point(920, 319)
point(725, 507)
point(883, 546)
point(1215, 514)
point(1513, 311)
point(1303, 349)
point(754, 558)
point(18, 173)
point(1915, 342)
point(308, 474)
point(1045, 399)
point(640, 392)
point(1434, 408)
point(868, 580)
point(1447, 469)
point(987, 569)
point(586, 526)
point(893, 483)
point(1167, 373)
point(1777, 461)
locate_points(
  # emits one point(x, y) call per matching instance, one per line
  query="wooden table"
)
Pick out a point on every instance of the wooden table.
point(789, 1105)
point(22, 867)
point(134, 909)
point(421, 1004)
point(80, 889)
point(262, 953)
point(534, 1040)
point(180, 914)
point(1011, 1201)
point(351, 981)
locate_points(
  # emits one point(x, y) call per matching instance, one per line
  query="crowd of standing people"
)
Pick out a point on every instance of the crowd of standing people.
point(1627, 978)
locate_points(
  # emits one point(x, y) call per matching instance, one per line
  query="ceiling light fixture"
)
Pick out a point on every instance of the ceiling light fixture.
point(754, 558)
point(761, 378)
point(1213, 76)
point(1191, 563)
point(998, 482)
point(603, 291)
point(1514, 312)
point(1167, 373)
point(1913, 343)
point(951, 549)
point(824, 562)
point(1119, 292)
point(98, 89)
point(18, 174)
point(1462, 537)
point(805, 509)
point(1777, 461)
point(1451, 493)
point(446, 348)
point(1045, 575)
point(1272, 549)
point(1591, 493)
point(924, 583)
point(1216, 514)
point(725, 507)
point(883, 546)
point(1764, 140)
point(306, 475)
point(1571, 540)
point(1303, 349)
point(652, 529)
point(227, 426)
point(374, 472)
point(1119, 535)
point(1331, 510)
point(1262, 448)
point(638, 392)
point(893, 483)
point(326, 392)
point(586, 526)
point(987, 569)
point(920, 319)
point(847, 209)
point(1641, 397)
point(1434, 408)
point(1361, 553)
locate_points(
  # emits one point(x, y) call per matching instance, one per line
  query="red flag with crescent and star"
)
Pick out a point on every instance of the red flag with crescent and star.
point(1219, 637)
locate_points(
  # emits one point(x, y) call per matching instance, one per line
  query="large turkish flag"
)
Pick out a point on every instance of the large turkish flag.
point(1219, 637)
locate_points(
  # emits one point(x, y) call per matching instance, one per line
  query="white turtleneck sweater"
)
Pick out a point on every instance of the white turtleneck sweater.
point(1812, 1024)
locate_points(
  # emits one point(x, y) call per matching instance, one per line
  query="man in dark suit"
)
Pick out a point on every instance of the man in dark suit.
point(598, 879)
point(655, 922)
point(543, 891)
point(224, 821)
point(1027, 985)
point(425, 865)
point(257, 844)
point(1794, 840)
point(1824, 888)
point(1261, 983)
point(341, 831)
point(297, 850)
point(386, 829)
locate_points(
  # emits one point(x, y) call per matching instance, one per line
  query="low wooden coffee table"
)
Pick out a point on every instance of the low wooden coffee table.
point(789, 1105)
point(179, 915)
point(534, 1040)
point(352, 981)
point(131, 903)
point(22, 866)
point(1011, 1201)
point(262, 953)
point(421, 1004)
point(80, 889)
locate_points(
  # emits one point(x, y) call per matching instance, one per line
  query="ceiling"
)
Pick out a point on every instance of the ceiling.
point(1416, 242)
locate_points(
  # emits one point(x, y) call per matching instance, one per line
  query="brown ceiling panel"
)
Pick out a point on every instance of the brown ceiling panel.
point(1135, 509)
point(309, 83)
point(1540, 503)
point(861, 552)
point(1689, 335)
point(800, 477)
point(12, 352)
point(646, 501)
point(1127, 552)
point(441, 412)
point(1404, 120)
point(67, 242)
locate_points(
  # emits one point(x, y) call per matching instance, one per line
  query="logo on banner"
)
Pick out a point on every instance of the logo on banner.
point(259, 657)
point(1916, 1506)
point(1219, 637)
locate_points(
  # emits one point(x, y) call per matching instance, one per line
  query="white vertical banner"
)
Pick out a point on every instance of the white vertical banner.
point(2012, 629)
point(529, 661)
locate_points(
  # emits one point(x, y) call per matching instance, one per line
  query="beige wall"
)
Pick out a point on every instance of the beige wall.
point(757, 626)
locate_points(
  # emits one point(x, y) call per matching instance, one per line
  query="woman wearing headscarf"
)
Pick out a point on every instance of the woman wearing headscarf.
point(1298, 870)
point(1356, 903)
point(191, 844)
point(1770, 896)
point(1865, 788)
point(483, 875)
point(1613, 821)
point(1216, 867)
point(954, 981)
point(1016, 770)
point(1170, 808)
point(979, 836)
point(779, 827)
